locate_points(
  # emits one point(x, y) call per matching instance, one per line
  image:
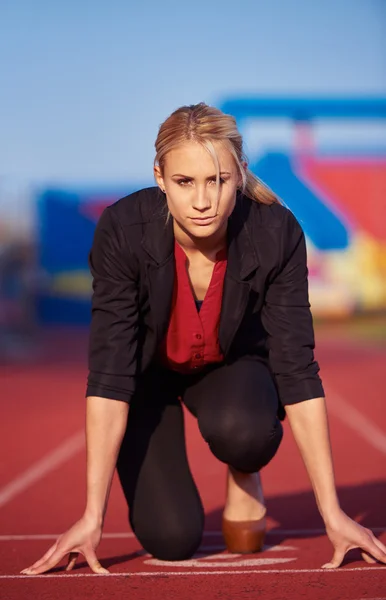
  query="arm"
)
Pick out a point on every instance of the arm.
point(111, 383)
point(309, 426)
point(114, 323)
point(287, 319)
point(112, 357)
point(105, 426)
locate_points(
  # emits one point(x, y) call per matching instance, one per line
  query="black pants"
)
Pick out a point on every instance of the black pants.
point(236, 409)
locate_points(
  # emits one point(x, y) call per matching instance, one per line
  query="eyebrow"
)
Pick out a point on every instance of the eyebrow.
point(210, 177)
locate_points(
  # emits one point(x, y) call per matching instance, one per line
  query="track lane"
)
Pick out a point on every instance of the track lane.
point(54, 502)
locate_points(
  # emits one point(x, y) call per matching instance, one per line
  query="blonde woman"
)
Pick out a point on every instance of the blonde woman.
point(200, 298)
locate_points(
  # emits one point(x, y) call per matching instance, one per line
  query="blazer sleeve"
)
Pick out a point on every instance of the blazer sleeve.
point(287, 319)
point(114, 313)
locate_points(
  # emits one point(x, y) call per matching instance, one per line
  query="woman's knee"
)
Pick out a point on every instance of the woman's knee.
point(244, 443)
point(177, 542)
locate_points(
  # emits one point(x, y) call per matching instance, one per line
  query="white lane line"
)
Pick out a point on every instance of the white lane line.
point(48, 463)
point(208, 562)
point(361, 424)
point(195, 573)
point(130, 535)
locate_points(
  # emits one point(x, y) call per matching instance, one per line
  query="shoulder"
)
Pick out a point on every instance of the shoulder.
point(120, 225)
point(142, 206)
point(274, 230)
point(269, 216)
point(275, 220)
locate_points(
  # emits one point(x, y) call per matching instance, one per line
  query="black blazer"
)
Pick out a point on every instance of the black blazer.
point(265, 309)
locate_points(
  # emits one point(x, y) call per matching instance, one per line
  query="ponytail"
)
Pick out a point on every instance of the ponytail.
point(257, 190)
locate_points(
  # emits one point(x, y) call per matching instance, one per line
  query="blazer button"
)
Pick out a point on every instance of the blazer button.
point(198, 336)
point(197, 356)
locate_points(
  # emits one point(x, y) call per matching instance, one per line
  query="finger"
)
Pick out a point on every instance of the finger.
point(41, 560)
point(367, 558)
point(336, 561)
point(50, 563)
point(375, 550)
point(73, 557)
point(93, 562)
point(379, 544)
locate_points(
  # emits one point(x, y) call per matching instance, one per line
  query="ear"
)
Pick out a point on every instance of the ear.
point(158, 177)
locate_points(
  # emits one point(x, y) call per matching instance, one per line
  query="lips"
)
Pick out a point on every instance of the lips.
point(203, 221)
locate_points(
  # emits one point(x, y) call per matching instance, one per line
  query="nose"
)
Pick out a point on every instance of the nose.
point(201, 200)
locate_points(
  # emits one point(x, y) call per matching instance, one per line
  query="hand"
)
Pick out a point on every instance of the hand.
point(345, 534)
point(81, 538)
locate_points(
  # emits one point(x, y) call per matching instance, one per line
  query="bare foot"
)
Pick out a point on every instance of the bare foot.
point(245, 500)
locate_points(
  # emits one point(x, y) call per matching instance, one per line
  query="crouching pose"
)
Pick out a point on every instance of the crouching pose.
point(200, 298)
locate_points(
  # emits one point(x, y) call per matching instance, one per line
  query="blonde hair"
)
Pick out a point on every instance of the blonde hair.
point(205, 125)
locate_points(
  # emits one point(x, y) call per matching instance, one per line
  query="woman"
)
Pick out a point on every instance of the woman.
point(200, 297)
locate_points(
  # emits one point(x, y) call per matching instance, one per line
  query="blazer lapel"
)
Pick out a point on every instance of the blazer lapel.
point(158, 242)
point(242, 262)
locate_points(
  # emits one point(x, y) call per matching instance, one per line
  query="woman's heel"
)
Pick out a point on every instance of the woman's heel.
point(244, 537)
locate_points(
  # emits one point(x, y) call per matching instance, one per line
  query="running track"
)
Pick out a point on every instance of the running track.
point(42, 488)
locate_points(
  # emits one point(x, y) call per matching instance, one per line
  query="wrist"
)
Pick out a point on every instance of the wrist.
point(331, 513)
point(93, 516)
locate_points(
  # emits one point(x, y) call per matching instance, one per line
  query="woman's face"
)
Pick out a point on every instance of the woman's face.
point(189, 179)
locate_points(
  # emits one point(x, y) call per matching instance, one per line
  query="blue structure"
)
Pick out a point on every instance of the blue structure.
point(321, 224)
point(305, 109)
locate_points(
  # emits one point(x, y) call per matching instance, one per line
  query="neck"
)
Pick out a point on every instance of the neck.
point(208, 246)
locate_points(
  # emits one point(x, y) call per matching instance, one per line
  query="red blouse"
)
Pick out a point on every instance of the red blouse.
point(191, 341)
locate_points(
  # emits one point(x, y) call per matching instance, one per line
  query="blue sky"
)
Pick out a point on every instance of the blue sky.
point(85, 84)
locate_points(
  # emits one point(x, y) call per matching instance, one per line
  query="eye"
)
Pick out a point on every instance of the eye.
point(183, 182)
point(221, 181)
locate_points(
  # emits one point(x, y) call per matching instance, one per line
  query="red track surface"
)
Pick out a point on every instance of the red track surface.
point(45, 407)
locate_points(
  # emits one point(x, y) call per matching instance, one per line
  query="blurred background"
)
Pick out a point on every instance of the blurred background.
point(84, 87)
